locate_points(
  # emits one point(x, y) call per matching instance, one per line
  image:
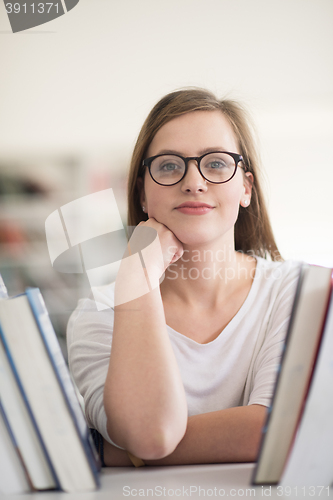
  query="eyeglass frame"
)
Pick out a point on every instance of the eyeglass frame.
point(236, 157)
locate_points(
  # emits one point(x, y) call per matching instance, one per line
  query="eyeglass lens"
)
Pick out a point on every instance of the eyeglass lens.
point(215, 167)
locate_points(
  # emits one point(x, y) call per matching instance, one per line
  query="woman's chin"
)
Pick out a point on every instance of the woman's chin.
point(193, 238)
point(204, 236)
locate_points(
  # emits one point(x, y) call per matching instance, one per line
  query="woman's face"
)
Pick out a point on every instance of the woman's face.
point(194, 134)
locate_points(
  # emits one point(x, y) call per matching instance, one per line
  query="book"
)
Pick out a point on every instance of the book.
point(3, 289)
point(13, 478)
point(35, 357)
point(311, 458)
point(63, 376)
point(23, 428)
point(297, 364)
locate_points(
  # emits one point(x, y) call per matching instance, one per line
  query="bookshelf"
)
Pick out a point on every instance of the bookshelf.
point(31, 188)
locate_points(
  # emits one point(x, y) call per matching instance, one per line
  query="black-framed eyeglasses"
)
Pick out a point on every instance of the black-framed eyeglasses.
point(216, 167)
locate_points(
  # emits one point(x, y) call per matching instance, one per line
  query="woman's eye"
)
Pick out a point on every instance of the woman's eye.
point(216, 164)
point(169, 167)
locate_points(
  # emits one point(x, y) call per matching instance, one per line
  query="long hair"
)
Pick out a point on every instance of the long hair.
point(253, 232)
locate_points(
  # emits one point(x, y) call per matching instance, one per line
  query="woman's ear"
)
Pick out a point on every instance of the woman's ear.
point(248, 180)
point(248, 183)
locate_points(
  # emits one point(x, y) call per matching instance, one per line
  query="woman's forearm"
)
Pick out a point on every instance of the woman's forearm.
point(144, 396)
point(231, 435)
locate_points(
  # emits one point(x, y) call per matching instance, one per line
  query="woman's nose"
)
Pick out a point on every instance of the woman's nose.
point(193, 180)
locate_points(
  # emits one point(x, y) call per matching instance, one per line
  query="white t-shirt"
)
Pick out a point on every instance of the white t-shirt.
point(237, 368)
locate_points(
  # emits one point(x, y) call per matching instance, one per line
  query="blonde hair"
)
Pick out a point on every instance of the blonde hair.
point(253, 232)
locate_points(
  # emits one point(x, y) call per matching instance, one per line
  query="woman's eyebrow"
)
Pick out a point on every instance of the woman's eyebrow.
point(169, 152)
point(202, 152)
point(212, 150)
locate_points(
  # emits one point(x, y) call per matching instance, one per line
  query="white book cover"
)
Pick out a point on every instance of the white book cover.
point(311, 458)
point(22, 427)
point(12, 475)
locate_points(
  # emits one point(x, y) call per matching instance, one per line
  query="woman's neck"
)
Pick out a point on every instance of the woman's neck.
point(208, 274)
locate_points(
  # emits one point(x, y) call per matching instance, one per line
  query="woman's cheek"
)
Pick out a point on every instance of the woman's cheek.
point(155, 210)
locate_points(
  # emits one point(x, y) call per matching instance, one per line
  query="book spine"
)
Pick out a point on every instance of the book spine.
point(62, 373)
point(257, 470)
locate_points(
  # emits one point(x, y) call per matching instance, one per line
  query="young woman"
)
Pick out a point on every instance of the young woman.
point(194, 355)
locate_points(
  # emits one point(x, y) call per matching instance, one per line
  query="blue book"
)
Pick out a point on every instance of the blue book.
point(31, 343)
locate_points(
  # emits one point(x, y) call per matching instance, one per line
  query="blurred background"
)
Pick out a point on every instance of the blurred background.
point(75, 92)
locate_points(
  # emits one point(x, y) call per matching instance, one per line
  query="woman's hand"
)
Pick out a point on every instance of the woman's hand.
point(159, 247)
point(115, 457)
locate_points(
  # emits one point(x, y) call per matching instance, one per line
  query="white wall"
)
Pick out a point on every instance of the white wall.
point(84, 83)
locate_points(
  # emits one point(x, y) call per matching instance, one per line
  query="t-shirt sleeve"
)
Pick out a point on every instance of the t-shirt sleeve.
point(268, 358)
point(89, 337)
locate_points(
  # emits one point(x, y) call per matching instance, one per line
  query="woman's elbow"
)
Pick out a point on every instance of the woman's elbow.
point(151, 442)
point(156, 443)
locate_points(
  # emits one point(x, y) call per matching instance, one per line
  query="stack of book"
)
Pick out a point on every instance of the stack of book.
point(44, 439)
point(297, 443)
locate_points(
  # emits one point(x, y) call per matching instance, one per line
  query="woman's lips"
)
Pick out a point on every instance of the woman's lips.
point(194, 208)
